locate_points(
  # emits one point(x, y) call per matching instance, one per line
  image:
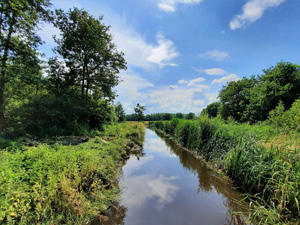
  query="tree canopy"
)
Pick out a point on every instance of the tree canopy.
point(251, 99)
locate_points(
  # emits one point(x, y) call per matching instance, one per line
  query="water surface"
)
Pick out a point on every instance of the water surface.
point(165, 184)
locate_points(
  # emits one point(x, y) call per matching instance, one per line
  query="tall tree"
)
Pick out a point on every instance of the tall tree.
point(279, 83)
point(92, 59)
point(18, 43)
point(212, 109)
point(139, 111)
point(235, 98)
point(120, 113)
point(190, 116)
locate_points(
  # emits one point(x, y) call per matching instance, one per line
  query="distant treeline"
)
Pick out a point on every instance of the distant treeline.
point(253, 99)
point(161, 116)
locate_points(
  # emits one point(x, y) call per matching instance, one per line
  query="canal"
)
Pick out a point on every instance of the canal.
point(164, 184)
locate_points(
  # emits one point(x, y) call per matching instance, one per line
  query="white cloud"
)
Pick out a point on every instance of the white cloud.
point(138, 51)
point(195, 81)
point(130, 89)
point(171, 5)
point(160, 188)
point(215, 55)
point(230, 77)
point(173, 87)
point(212, 97)
point(202, 87)
point(213, 71)
point(182, 82)
point(252, 11)
point(163, 53)
point(178, 100)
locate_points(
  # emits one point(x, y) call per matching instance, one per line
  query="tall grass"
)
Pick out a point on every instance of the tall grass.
point(64, 184)
point(269, 173)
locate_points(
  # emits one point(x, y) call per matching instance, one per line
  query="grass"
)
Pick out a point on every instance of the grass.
point(59, 184)
point(259, 158)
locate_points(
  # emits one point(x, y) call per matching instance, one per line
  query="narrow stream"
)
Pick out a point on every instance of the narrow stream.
point(167, 185)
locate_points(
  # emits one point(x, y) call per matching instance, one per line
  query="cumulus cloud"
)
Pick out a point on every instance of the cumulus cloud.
point(195, 81)
point(171, 5)
point(163, 53)
point(173, 87)
point(215, 55)
point(230, 77)
point(202, 87)
point(213, 71)
point(182, 82)
point(138, 51)
point(252, 11)
point(178, 100)
point(130, 89)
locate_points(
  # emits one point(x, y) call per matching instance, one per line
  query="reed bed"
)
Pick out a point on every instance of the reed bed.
point(269, 174)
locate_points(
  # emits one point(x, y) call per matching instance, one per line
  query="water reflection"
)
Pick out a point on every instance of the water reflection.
point(169, 186)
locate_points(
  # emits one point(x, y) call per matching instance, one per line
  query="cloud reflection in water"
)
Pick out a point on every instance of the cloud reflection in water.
point(161, 188)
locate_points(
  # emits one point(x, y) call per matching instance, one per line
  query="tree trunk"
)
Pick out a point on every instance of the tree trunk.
point(2, 108)
point(87, 83)
point(3, 79)
point(82, 83)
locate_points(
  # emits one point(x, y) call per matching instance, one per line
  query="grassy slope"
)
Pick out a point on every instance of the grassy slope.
point(64, 184)
point(267, 169)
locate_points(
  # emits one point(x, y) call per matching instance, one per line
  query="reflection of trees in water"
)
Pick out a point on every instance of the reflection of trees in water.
point(138, 153)
point(115, 216)
point(209, 182)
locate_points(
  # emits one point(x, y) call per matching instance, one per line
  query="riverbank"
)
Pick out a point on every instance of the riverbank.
point(57, 184)
point(267, 171)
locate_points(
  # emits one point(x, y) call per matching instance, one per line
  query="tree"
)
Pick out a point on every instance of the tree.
point(91, 58)
point(235, 98)
point(190, 116)
point(167, 116)
point(212, 109)
point(18, 44)
point(179, 115)
point(120, 113)
point(279, 83)
point(139, 111)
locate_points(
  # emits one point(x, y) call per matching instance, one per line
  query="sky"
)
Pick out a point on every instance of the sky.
point(180, 53)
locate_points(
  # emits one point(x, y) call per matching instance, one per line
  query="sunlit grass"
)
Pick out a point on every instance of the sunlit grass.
point(64, 184)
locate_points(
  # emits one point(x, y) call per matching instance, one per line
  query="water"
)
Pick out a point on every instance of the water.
point(166, 185)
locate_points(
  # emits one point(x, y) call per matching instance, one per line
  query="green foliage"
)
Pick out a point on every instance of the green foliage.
point(64, 184)
point(288, 120)
point(235, 97)
point(212, 109)
point(76, 94)
point(91, 57)
point(190, 116)
point(253, 99)
point(139, 111)
point(120, 113)
point(18, 45)
point(271, 174)
point(157, 116)
point(46, 115)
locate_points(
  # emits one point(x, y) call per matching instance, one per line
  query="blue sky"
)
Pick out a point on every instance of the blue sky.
point(180, 53)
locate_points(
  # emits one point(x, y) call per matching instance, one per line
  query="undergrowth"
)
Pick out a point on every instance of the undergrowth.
point(64, 184)
point(268, 173)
